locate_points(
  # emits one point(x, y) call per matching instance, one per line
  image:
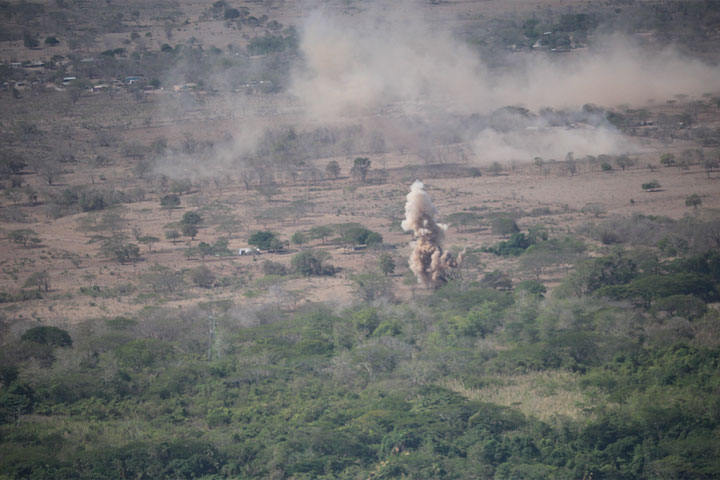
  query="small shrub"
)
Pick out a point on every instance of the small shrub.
point(651, 186)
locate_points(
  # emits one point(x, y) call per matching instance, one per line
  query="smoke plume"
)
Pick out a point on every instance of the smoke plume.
point(431, 266)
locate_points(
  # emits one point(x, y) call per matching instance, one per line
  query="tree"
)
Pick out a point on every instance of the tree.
point(204, 249)
point(231, 14)
point(570, 163)
point(229, 226)
point(332, 169)
point(118, 249)
point(372, 286)
point(360, 168)
point(359, 235)
point(321, 232)
point(709, 164)
point(268, 191)
point(495, 169)
point(386, 263)
point(47, 335)
point(667, 159)
point(50, 171)
point(148, 240)
point(504, 226)
point(190, 230)
point(623, 161)
point(29, 40)
point(172, 235)
point(14, 195)
point(203, 277)
point(298, 238)
point(693, 200)
point(265, 240)
point(311, 263)
point(40, 279)
point(52, 41)
point(170, 201)
point(461, 220)
point(191, 218)
point(24, 236)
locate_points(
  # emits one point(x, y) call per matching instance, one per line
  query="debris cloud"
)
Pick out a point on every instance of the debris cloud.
point(430, 264)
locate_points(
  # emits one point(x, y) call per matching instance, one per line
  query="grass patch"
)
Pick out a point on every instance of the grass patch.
point(544, 395)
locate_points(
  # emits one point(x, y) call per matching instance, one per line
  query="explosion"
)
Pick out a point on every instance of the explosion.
point(431, 266)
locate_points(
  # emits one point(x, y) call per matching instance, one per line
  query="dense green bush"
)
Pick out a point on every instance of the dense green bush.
point(312, 263)
point(46, 335)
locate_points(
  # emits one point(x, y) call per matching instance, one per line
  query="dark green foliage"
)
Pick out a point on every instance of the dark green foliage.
point(118, 249)
point(651, 186)
point(51, 336)
point(359, 235)
point(274, 268)
point(360, 168)
point(531, 286)
point(266, 44)
point(191, 218)
point(651, 287)
point(515, 246)
point(386, 264)
point(312, 263)
point(497, 280)
point(265, 240)
point(504, 226)
point(190, 230)
point(21, 296)
point(170, 201)
point(143, 353)
point(382, 389)
point(616, 269)
point(30, 40)
point(686, 306)
point(203, 277)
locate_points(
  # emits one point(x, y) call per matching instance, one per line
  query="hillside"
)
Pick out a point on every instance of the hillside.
point(571, 149)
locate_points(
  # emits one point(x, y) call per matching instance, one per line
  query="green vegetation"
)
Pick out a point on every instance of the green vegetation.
point(581, 386)
point(265, 240)
point(555, 353)
point(312, 263)
point(651, 186)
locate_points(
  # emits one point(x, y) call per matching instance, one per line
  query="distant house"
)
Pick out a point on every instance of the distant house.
point(248, 251)
point(132, 80)
point(66, 80)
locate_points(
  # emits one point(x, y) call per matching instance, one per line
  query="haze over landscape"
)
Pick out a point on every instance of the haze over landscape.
point(359, 239)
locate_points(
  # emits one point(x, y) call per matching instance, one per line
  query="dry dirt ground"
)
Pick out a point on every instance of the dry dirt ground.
point(524, 188)
point(377, 206)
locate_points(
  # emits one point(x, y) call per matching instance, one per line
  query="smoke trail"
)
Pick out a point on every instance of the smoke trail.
point(431, 266)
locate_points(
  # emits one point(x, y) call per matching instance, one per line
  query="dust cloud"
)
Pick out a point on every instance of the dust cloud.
point(391, 78)
point(430, 264)
point(396, 61)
